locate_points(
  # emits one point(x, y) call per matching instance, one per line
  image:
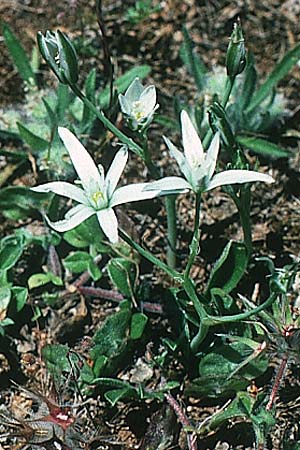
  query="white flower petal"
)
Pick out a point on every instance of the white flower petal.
point(175, 153)
point(192, 145)
point(63, 188)
point(82, 161)
point(115, 171)
point(212, 155)
point(134, 91)
point(148, 100)
point(124, 104)
point(132, 193)
point(169, 185)
point(72, 219)
point(109, 224)
point(238, 177)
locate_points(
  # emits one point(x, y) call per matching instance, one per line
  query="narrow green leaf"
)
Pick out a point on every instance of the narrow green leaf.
point(263, 147)
point(35, 142)
point(194, 64)
point(18, 55)
point(90, 90)
point(51, 114)
point(280, 71)
point(63, 101)
point(249, 83)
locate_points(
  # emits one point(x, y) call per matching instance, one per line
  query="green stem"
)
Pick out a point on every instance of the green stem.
point(246, 225)
point(228, 90)
point(153, 170)
point(170, 202)
point(176, 276)
point(194, 246)
point(212, 320)
point(107, 123)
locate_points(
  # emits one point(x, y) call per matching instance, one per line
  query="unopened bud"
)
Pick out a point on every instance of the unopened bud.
point(236, 53)
point(58, 51)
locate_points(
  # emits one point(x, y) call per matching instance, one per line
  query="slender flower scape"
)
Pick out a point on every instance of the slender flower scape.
point(98, 194)
point(198, 167)
point(138, 104)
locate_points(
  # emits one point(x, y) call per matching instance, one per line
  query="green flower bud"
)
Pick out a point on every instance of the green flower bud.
point(58, 51)
point(236, 53)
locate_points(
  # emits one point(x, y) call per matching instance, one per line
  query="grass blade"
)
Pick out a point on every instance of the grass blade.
point(18, 55)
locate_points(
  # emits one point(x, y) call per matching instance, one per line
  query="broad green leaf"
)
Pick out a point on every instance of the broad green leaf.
point(18, 55)
point(57, 360)
point(5, 296)
point(281, 70)
point(229, 268)
point(20, 296)
point(18, 202)
point(86, 234)
point(11, 248)
point(112, 344)
point(40, 279)
point(137, 327)
point(263, 147)
point(122, 273)
point(112, 333)
point(237, 408)
point(5, 323)
point(35, 142)
point(225, 359)
point(116, 395)
point(194, 64)
point(77, 262)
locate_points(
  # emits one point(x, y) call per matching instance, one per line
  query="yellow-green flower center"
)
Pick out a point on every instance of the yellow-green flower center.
point(96, 196)
point(137, 111)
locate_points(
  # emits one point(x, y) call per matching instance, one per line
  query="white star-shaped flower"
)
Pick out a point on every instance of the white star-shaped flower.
point(198, 167)
point(99, 194)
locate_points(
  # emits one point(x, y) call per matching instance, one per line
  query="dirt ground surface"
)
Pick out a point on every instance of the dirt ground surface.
point(271, 28)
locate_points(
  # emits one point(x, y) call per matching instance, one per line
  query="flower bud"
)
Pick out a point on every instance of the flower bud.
point(236, 53)
point(58, 51)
